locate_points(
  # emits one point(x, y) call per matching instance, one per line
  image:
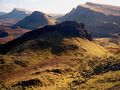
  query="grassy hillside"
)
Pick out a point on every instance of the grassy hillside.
point(67, 38)
point(60, 72)
point(58, 57)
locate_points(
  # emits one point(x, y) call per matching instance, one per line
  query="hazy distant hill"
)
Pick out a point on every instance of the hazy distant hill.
point(100, 23)
point(15, 14)
point(35, 20)
point(2, 13)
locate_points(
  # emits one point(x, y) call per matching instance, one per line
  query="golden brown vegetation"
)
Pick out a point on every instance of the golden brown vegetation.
point(60, 73)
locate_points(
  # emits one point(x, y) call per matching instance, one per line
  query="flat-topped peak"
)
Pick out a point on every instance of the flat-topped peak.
point(21, 10)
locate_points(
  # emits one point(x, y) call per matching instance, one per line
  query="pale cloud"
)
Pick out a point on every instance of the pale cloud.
point(7, 6)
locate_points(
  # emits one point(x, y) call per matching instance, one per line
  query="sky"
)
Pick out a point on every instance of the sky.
point(49, 6)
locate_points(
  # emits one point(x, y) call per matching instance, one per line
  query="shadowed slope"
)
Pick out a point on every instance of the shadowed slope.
point(67, 37)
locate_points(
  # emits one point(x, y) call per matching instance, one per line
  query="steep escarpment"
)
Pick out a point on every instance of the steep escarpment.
point(101, 20)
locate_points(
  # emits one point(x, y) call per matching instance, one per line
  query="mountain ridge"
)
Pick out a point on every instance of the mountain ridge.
point(103, 8)
point(99, 24)
point(68, 36)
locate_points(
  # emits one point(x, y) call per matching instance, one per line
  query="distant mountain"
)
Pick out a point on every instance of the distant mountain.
point(68, 37)
point(35, 20)
point(2, 13)
point(99, 24)
point(106, 9)
point(15, 14)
